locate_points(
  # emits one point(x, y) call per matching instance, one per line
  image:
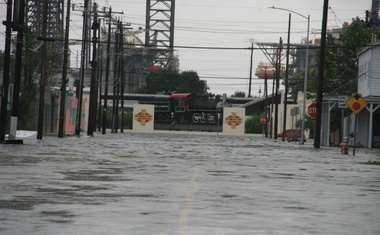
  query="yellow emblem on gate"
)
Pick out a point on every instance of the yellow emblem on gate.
point(143, 117)
point(233, 120)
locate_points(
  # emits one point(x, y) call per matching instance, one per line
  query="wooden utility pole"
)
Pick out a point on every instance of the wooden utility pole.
point(266, 101)
point(122, 78)
point(115, 80)
point(94, 64)
point(6, 69)
point(250, 72)
point(82, 69)
point(278, 75)
point(318, 121)
point(104, 121)
point(41, 105)
point(272, 107)
point(286, 81)
point(61, 127)
point(100, 79)
point(18, 20)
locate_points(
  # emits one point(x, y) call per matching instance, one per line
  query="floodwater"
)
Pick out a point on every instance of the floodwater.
point(165, 184)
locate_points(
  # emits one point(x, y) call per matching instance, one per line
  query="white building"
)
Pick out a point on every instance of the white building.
point(368, 128)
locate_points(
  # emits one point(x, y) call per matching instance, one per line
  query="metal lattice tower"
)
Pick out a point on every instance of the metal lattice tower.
point(159, 36)
point(55, 22)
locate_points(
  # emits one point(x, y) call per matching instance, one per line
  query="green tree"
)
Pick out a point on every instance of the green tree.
point(160, 82)
point(167, 82)
point(341, 71)
point(189, 82)
point(340, 62)
point(298, 81)
point(239, 94)
point(253, 125)
point(30, 77)
point(341, 68)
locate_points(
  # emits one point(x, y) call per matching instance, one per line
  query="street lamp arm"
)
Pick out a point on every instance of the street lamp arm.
point(284, 9)
point(306, 69)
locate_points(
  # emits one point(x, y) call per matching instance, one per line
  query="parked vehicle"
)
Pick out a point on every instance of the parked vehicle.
point(292, 135)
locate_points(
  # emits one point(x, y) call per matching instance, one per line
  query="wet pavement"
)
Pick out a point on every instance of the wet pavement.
point(130, 183)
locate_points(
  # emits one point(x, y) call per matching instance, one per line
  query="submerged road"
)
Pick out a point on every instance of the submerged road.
point(165, 184)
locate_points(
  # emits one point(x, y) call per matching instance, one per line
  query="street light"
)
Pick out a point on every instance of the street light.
point(306, 69)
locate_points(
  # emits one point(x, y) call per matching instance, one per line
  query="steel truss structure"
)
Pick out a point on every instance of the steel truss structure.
point(159, 36)
point(55, 18)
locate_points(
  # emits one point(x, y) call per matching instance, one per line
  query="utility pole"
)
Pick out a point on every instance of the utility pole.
point(122, 77)
point(41, 105)
point(250, 72)
point(286, 80)
point(115, 80)
point(278, 74)
point(118, 64)
point(266, 101)
point(272, 107)
point(318, 121)
point(92, 106)
point(82, 70)
point(6, 69)
point(100, 79)
point(18, 20)
point(61, 129)
point(104, 121)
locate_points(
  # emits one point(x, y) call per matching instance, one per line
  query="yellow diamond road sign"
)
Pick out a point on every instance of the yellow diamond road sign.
point(356, 103)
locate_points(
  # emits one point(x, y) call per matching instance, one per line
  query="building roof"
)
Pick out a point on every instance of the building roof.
point(368, 47)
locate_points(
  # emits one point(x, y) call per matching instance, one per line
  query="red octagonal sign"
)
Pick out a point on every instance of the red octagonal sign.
point(312, 110)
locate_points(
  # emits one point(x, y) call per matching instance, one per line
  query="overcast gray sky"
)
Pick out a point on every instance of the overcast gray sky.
point(225, 23)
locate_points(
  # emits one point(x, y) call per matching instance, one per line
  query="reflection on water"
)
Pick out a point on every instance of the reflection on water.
point(185, 184)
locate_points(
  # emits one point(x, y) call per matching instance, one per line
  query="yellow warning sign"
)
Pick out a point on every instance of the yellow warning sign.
point(356, 103)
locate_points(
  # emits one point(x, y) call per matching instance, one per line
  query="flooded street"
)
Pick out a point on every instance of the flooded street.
point(184, 184)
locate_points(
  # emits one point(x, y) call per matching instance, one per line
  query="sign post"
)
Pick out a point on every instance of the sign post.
point(356, 103)
point(342, 105)
point(342, 102)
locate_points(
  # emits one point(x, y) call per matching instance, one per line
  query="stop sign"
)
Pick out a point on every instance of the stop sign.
point(263, 120)
point(312, 110)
